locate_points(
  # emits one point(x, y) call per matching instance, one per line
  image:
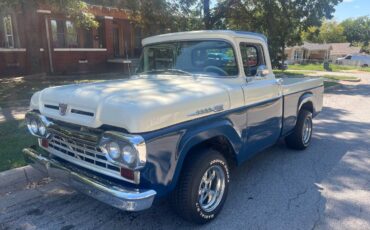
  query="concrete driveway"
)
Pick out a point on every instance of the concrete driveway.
point(325, 187)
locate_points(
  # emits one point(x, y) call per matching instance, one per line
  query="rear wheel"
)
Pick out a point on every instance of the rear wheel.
point(202, 187)
point(301, 136)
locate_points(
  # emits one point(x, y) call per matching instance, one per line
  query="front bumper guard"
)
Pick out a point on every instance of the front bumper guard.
point(126, 199)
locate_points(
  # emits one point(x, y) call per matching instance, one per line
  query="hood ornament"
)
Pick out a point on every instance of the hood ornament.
point(63, 109)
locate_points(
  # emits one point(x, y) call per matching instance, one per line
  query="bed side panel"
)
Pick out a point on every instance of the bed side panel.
point(292, 102)
point(290, 112)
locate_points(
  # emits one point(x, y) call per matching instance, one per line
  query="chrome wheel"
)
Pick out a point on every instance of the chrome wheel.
point(211, 188)
point(307, 130)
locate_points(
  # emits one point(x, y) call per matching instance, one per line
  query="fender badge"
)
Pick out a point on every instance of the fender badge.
point(63, 109)
point(216, 108)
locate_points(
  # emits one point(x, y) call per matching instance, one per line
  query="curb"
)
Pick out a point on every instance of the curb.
point(23, 174)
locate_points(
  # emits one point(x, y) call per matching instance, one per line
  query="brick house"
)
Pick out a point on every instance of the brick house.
point(66, 48)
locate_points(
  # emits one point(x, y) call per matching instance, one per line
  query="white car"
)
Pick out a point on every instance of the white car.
point(355, 59)
point(177, 127)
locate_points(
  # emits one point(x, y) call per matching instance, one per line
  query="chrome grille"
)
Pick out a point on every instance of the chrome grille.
point(82, 154)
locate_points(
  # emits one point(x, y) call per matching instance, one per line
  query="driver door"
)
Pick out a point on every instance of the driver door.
point(262, 98)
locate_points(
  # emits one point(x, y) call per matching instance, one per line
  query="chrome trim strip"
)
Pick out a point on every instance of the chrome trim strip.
point(111, 194)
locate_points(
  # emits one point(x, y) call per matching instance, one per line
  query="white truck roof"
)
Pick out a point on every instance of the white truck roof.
point(217, 34)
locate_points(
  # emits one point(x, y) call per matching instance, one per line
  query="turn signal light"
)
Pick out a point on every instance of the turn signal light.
point(45, 143)
point(128, 174)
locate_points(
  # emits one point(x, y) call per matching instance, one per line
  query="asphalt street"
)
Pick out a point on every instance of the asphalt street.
point(326, 186)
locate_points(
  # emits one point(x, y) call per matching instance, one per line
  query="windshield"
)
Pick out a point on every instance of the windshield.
point(214, 58)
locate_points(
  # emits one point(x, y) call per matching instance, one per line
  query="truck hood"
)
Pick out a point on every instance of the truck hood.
point(138, 104)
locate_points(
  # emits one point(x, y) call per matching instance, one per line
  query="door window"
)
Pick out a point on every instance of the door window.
point(252, 56)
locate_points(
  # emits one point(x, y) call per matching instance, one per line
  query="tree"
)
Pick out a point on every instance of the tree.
point(331, 32)
point(357, 30)
point(328, 32)
point(311, 34)
point(155, 16)
point(282, 21)
point(76, 9)
point(210, 13)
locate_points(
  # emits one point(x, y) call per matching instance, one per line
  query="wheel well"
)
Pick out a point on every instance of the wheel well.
point(307, 106)
point(219, 143)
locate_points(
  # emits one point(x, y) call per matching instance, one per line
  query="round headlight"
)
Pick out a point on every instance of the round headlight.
point(113, 150)
point(128, 155)
point(42, 129)
point(34, 126)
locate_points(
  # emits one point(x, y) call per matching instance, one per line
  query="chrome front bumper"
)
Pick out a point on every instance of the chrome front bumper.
point(127, 199)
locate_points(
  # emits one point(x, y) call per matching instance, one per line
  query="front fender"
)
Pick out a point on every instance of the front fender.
point(198, 135)
point(168, 148)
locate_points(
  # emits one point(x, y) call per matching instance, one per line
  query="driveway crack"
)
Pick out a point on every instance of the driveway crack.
point(296, 197)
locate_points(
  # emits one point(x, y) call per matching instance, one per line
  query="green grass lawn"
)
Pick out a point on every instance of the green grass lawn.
point(320, 67)
point(342, 78)
point(17, 91)
point(329, 80)
point(13, 138)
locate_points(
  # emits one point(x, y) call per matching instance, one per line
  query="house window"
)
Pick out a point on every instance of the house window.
point(64, 34)
point(8, 32)
point(71, 35)
point(137, 46)
point(100, 35)
point(298, 55)
point(86, 39)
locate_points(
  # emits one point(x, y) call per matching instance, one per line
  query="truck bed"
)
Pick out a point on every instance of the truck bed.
point(293, 85)
point(294, 91)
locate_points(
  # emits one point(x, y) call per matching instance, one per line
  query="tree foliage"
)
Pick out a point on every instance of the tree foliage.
point(76, 9)
point(282, 21)
point(357, 30)
point(329, 32)
point(210, 14)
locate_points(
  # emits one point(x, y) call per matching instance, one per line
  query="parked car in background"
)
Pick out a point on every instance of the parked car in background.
point(177, 127)
point(355, 60)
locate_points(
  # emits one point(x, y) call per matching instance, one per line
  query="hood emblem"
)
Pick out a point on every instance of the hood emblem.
point(63, 109)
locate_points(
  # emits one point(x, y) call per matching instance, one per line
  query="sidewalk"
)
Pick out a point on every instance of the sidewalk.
point(12, 113)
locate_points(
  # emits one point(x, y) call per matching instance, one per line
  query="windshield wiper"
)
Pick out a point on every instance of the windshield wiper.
point(167, 70)
point(180, 71)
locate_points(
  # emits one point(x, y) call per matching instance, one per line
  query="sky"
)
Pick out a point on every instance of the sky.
point(351, 9)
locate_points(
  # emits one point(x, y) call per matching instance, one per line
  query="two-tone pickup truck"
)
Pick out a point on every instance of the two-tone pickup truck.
point(200, 103)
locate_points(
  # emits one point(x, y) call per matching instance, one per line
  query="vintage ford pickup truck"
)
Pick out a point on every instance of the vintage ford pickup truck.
point(199, 104)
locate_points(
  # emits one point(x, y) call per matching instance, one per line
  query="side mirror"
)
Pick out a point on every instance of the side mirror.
point(262, 71)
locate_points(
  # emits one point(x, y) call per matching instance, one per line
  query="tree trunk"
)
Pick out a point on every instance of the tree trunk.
point(282, 56)
point(207, 15)
point(33, 41)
